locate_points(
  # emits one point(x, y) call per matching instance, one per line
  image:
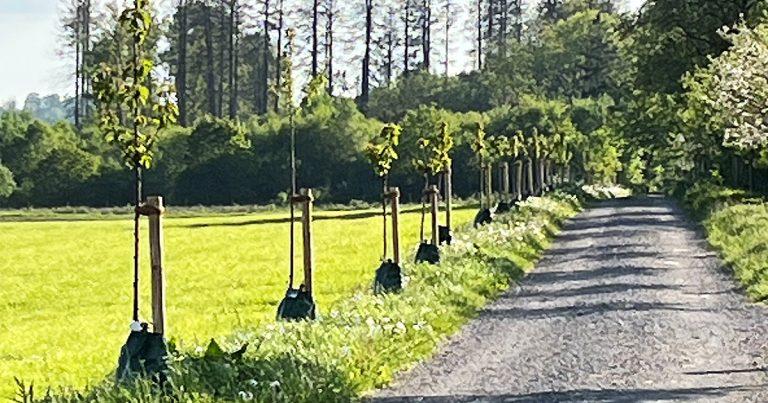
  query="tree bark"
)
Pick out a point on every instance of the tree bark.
point(330, 15)
point(210, 84)
point(181, 64)
point(265, 61)
point(232, 66)
point(367, 58)
point(479, 34)
point(279, 58)
point(315, 11)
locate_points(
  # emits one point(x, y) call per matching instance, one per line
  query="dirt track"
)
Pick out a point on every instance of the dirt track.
point(628, 305)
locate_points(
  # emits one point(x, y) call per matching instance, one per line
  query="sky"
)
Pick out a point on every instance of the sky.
point(30, 59)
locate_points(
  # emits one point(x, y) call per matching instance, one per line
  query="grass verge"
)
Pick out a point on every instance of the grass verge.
point(737, 226)
point(359, 346)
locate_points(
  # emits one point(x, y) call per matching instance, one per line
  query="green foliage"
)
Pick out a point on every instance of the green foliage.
point(212, 138)
point(7, 184)
point(739, 233)
point(602, 160)
point(382, 150)
point(128, 93)
point(735, 223)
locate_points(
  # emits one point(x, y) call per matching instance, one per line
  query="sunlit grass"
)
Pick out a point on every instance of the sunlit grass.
point(65, 300)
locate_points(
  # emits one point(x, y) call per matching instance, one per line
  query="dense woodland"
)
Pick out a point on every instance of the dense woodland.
point(656, 99)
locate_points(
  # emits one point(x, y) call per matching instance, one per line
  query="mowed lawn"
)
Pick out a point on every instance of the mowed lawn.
point(65, 286)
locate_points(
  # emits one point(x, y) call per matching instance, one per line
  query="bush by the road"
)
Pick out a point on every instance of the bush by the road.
point(735, 222)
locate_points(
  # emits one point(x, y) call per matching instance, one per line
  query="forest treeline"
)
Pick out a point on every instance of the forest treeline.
point(648, 98)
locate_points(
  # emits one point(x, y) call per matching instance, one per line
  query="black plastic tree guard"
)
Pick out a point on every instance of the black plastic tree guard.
point(428, 253)
point(445, 235)
point(388, 278)
point(483, 217)
point(144, 355)
point(297, 305)
point(503, 207)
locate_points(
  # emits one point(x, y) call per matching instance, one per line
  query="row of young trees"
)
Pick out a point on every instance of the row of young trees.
point(559, 79)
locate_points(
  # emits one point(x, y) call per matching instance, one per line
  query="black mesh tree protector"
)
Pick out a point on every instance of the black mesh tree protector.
point(145, 354)
point(483, 217)
point(297, 305)
point(428, 253)
point(388, 278)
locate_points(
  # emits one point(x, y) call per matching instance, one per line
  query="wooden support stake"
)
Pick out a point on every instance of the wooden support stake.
point(519, 180)
point(306, 225)
point(155, 205)
point(394, 197)
point(529, 170)
point(448, 197)
point(489, 184)
point(434, 195)
point(505, 179)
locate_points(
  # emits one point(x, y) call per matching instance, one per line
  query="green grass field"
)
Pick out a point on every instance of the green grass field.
point(65, 300)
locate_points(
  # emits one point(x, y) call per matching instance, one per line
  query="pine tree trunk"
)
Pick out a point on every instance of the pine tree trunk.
point(232, 67)
point(181, 64)
point(426, 33)
point(479, 34)
point(329, 44)
point(264, 104)
point(279, 58)
point(367, 58)
point(210, 83)
point(315, 40)
point(406, 37)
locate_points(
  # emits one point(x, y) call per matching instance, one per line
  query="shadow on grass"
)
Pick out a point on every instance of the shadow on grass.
point(319, 217)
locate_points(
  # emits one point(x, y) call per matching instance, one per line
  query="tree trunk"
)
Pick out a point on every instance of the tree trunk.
point(426, 33)
point(210, 79)
point(78, 71)
point(406, 37)
point(329, 43)
point(315, 43)
point(479, 34)
point(265, 62)
point(447, 36)
point(279, 58)
point(390, 47)
point(222, 64)
point(367, 58)
point(502, 37)
point(232, 51)
point(181, 64)
point(85, 52)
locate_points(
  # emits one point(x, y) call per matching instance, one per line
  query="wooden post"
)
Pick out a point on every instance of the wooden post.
point(489, 184)
point(448, 197)
point(155, 210)
point(529, 173)
point(434, 194)
point(505, 180)
point(519, 180)
point(306, 226)
point(394, 197)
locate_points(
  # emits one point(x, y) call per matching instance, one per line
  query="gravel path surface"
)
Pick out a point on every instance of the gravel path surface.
point(628, 305)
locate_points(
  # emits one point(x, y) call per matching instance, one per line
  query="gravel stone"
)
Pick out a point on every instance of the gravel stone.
point(628, 305)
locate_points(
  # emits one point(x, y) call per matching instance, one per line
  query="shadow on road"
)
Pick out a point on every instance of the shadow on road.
point(580, 395)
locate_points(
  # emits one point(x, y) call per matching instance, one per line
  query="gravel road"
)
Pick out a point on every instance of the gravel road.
point(628, 305)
